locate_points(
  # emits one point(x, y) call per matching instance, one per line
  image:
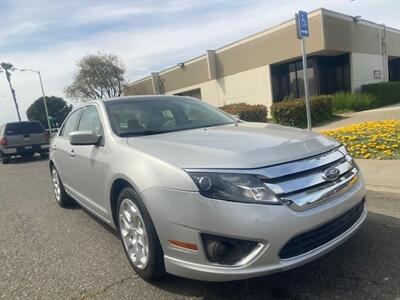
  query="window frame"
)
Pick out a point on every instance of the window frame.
point(61, 133)
point(102, 140)
point(98, 113)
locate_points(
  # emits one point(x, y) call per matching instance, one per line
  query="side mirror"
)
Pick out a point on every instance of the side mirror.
point(84, 137)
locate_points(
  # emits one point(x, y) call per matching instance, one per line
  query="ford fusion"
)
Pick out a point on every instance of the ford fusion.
point(195, 192)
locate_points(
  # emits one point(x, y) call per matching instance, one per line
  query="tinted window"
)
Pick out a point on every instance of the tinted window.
point(151, 116)
point(24, 128)
point(70, 123)
point(90, 120)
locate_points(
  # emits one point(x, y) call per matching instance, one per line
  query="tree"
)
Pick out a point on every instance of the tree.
point(57, 107)
point(98, 76)
point(8, 68)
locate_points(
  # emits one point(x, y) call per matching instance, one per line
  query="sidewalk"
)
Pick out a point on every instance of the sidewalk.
point(381, 175)
point(391, 112)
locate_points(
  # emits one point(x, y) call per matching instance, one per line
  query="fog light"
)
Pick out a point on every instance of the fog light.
point(226, 251)
point(217, 250)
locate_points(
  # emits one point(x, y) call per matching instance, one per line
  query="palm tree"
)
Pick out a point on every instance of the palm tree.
point(8, 68)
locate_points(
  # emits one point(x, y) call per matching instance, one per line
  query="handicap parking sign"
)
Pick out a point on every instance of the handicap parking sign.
point(302, 24)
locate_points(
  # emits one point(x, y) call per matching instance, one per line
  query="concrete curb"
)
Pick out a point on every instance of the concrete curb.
point(384, 189)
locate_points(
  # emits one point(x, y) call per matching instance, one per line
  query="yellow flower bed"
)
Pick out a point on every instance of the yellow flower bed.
point(370, 140)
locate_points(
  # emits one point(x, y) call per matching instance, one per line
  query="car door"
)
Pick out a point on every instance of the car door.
point(87, 163)
point(61, 149)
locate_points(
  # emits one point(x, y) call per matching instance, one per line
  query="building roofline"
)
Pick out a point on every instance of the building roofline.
point(362, 21)
point(139, 80)
point(319, 11)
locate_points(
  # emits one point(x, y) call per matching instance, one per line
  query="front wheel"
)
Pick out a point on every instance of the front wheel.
point(139, 237)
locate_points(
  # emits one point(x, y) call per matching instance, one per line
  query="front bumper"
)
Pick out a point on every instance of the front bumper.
point(181, 215)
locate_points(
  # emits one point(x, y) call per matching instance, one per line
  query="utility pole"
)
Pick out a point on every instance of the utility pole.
point(44, 97)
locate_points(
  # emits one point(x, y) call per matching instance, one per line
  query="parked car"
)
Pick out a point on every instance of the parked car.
point(23, 138)
point(194, 192)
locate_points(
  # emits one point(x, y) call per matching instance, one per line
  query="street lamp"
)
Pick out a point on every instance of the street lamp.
point(44, 96)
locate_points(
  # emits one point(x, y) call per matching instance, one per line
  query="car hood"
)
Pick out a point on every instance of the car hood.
point(243, 145)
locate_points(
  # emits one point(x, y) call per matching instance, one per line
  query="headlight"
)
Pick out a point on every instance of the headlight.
point(234, 187)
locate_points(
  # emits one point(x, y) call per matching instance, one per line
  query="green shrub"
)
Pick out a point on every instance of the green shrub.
point(293, 112)
point(342, 102)
point(247, 112)
point(384, 93)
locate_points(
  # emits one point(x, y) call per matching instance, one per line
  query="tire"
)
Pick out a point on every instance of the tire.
point(44, 155)
point(60, 194)
point(152, 267)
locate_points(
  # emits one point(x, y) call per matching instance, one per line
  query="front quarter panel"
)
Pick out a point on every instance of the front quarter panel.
point(143, 171)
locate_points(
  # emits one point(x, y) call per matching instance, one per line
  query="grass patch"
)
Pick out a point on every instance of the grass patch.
point(370, 140)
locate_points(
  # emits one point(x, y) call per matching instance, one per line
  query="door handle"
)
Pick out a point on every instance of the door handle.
point(72, 153)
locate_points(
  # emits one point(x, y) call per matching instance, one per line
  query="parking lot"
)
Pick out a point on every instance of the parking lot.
point(47, 252)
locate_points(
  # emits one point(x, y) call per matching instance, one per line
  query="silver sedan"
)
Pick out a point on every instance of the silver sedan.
point(197, 193)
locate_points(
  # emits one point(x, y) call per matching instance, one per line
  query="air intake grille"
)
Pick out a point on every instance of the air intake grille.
point(322, 235)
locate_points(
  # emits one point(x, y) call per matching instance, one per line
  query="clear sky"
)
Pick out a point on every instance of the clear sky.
point(51, 35)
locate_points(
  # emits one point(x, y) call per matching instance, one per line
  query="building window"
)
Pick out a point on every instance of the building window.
point(333, 74)
point(288, 80)
point(394, 69)
point(326, 75)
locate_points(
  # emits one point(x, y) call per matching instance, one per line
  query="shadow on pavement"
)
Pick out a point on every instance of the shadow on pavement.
point(24, 160)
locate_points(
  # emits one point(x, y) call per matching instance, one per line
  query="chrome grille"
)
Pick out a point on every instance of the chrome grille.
point(301, 184)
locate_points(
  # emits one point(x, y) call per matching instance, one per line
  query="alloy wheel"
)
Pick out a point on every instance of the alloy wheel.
point(56, 184)
point(133, 233)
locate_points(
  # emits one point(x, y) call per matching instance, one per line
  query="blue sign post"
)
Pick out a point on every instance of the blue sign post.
point(303, 32)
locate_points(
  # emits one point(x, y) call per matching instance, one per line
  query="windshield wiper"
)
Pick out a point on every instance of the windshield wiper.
point(147, 132)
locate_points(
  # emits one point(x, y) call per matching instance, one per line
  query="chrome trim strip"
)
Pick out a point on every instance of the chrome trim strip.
point(303, 165)
point(306, 181)
point(310, 198)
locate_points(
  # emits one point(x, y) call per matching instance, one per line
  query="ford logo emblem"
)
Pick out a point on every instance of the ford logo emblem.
point(331, 174)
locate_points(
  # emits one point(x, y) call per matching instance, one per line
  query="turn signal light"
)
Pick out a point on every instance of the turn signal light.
point(184, 245)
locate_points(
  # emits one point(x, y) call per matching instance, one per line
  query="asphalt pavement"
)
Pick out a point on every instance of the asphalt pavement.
point(47, 252)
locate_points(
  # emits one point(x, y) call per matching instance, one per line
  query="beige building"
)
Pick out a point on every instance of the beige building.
point(344, 52)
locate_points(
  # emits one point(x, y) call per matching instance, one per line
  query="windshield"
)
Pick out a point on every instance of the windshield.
point(153, 116)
